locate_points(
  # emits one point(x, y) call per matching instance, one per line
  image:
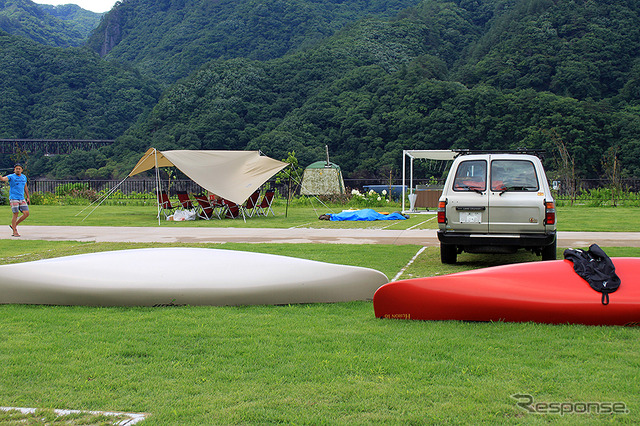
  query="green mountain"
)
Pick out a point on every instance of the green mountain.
point(580, 49)
point(51, 92)
point(296, 76)
point(83, 20)
point(422, 82)
point(238, 103)
point(61, 26)
point(171, 39)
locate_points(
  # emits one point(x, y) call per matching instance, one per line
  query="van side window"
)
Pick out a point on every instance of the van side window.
point(513, 175)
point(471, 176)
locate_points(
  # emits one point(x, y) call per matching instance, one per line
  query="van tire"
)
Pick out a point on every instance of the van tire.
point(448, 253)
point(549, 252)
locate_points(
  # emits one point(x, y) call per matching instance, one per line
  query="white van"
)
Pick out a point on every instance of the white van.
point(496, 202)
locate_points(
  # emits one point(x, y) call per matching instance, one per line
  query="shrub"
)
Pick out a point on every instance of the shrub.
point(4, 195)
point(68, 188)
point(369, 199)
point(76, 193)
point(43, 198)
point(602, 197)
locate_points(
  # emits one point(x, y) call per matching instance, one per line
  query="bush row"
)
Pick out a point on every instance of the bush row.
point(602, 197)
point(79, 194)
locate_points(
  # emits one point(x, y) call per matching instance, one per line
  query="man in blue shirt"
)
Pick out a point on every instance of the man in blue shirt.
point(18, 197)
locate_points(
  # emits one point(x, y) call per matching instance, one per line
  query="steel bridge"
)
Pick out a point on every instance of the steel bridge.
point(51, 146)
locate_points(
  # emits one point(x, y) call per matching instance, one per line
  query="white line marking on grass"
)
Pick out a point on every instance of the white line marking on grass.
point(428, 220)
point(408, 264)
point(133, 418)
point(298, 226)
point(391, 224)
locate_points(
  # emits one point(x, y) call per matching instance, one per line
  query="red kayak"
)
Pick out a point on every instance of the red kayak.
point(545, 292)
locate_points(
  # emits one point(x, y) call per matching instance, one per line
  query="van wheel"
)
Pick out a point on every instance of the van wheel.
point(448, 253)
point(549, 252)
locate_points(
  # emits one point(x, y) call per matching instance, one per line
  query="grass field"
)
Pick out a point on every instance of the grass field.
point(594, 219)
point(314, 363)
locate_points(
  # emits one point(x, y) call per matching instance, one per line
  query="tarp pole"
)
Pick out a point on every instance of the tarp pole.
point(286, 211)
point(411, 174)
point(155, 151)
point(404, 183)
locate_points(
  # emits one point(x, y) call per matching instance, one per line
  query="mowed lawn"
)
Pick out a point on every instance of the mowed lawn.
point(313, 363)
point(594, 219)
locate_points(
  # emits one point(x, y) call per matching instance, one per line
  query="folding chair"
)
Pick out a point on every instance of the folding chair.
point(232, 210)
point(184, 199)
point(206, 210)
point(165, 204)
point(251, 205)
point(219, 206)
point(265, 205)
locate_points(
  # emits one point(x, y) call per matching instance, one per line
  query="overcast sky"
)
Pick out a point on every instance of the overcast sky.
point(98, 6)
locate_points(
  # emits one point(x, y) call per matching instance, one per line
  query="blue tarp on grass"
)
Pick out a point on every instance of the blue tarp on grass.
point(366, 214)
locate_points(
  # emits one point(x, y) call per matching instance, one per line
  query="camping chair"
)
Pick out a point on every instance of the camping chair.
point(251, 205)
point(218, 205)
point(165, 204)
point(265, 205)
point(232, 210)
point(206, 210)
point(184, 199)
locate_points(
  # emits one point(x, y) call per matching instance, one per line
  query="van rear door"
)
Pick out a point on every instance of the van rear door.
point(516, 196)
point(467, 202)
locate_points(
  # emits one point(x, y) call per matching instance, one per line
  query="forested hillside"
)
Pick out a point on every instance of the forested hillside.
point(581, 49)
point(444, 74)
point(171, 39)
point(50, 92)
point(63, 26)
point(85, 21)
point(381, 87)
point(238, 103)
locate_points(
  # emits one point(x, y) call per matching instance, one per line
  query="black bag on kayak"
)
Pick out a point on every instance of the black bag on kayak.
point(596, 268)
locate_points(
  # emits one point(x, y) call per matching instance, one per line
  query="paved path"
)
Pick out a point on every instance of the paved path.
point(426, 237)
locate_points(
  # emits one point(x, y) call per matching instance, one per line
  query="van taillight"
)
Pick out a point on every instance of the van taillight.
point(549, 213)
point(441, 212)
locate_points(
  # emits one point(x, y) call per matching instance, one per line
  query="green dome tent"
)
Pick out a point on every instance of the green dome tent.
point(322, 178)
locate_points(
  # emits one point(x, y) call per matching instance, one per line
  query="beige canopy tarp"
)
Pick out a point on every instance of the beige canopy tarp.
point(233, 175)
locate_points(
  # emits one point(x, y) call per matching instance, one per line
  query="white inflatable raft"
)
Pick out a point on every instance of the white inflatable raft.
point(183, 276)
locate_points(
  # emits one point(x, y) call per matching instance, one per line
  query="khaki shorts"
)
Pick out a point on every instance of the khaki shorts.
point(19, 206)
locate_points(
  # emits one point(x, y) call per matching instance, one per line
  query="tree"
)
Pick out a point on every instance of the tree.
point(566, 167)
point(612, 169)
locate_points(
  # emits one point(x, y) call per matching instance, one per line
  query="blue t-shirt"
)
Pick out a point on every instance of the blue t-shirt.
point(17, 184)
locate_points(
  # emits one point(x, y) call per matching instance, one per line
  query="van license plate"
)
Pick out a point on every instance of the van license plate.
point(470, 217)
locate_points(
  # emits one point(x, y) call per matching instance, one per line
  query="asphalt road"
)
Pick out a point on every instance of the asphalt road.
point(425, 237)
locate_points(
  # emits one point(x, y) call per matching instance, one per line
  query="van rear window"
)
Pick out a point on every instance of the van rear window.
point(513, 175)
point(471, 176)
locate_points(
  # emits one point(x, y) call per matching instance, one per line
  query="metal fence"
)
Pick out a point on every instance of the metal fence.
point(565, 188)
point(148, 186)
point(127, 187)
point(562, 189)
